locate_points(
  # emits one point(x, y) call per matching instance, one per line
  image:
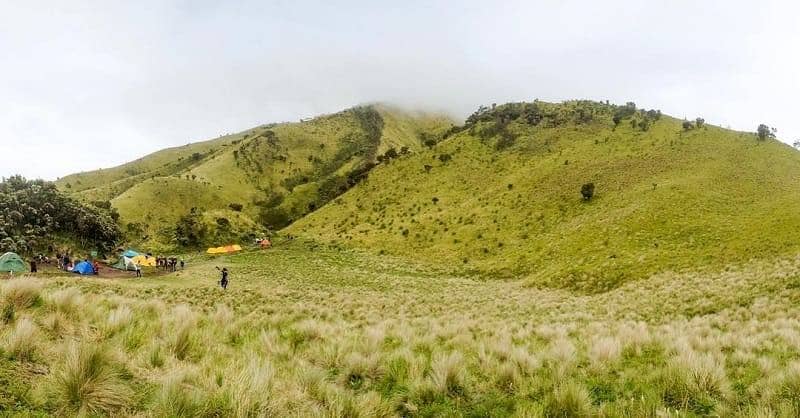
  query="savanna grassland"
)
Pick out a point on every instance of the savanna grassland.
point(312, 330)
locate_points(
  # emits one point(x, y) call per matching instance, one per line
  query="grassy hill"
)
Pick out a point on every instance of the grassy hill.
point(269, 175)
point(503, 196)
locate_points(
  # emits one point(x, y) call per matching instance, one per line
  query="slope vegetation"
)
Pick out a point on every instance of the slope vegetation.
point(503, 196)
point(268, 175)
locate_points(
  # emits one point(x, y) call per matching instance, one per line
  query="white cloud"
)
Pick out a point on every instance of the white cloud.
point(95, 84)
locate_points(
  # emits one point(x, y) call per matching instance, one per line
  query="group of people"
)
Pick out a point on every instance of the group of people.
point(169, 263)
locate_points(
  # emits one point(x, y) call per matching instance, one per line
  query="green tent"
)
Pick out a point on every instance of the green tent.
point(124, 263)
point(11, 262)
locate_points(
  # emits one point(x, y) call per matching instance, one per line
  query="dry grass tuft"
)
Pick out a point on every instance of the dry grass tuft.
point(24, 340)
point(21, 293)
point(86, 383)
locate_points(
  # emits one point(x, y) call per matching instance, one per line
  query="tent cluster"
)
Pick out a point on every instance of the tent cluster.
point(224, 250)
point(130, 259)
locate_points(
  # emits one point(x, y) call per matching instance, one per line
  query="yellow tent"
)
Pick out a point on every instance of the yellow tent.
point(224, 250)
point(144, 260)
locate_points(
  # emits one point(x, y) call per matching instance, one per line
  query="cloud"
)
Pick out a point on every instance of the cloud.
point(95, 84)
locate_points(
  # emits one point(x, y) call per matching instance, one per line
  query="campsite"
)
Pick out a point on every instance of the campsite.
point(371, 209)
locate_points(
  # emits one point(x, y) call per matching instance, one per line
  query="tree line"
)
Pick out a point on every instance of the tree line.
point(33, 213)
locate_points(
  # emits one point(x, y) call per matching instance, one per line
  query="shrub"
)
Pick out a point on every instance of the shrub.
point(687, 126)
point(274, 218)
point(699, 122)
point(85, 383)
point(587, 191)
point(445, 158)
point(190, 231)
point(236, 207)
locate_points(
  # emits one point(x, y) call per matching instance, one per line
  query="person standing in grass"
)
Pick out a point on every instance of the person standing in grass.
point(223, 282)
point(33, 265)
point(182, 264)
point(138, 270)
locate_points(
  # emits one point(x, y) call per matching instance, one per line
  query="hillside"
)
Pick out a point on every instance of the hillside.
point(503, 196)
point(267, 175)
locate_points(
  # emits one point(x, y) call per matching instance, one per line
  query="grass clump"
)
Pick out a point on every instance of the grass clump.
point(23, 341)
point(569, 400)
point(21, 293)
point(87, 383)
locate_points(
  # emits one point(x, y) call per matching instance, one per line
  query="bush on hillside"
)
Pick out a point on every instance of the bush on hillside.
point(687, 126)
point(274, 218)
point(236, 207)
point(587, 191)
point(764, 132)
point(699, 122)
point(190, 231)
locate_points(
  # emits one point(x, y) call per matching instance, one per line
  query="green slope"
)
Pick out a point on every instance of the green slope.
point(508, 200)
point(277, 172)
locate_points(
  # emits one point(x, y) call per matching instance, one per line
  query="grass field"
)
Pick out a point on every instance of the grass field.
point(312, 330)
point(666, 199)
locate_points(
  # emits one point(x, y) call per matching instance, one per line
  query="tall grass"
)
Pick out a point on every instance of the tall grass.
point(23, 341)
point(86, 383)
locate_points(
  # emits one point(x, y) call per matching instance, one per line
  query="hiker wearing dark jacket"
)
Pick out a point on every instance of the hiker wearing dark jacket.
point(223, 282)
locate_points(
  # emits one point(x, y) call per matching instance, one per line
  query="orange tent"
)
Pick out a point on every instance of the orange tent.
point(224, 250)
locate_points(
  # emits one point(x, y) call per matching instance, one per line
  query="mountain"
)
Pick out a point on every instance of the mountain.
point(503, 196)
point(268, 175)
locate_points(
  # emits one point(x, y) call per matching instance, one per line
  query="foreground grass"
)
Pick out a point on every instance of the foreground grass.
point(312, 331)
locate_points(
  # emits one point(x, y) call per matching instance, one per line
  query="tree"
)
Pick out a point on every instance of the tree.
point(699, 122)
point(764, 132)
point(190, 231)
point(587, 191)
point(687, 126)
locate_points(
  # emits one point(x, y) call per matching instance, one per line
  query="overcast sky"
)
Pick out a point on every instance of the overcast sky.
point(85, 85)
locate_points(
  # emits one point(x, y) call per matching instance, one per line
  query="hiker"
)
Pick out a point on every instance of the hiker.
point(33, 265)
point(138, 270)
point(60, 260)
point(66, 261)
point(182, 264)
point(96, 268)
point(224, 280)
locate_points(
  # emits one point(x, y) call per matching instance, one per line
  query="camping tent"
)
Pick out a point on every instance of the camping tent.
point(84, 268)
point(130, 253)
point(144, 260)
point(11, 262)
point(124, 263)
point(224, 250)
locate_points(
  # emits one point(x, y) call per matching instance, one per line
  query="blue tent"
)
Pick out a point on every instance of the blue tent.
point(130, 253)
point(84, 268)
